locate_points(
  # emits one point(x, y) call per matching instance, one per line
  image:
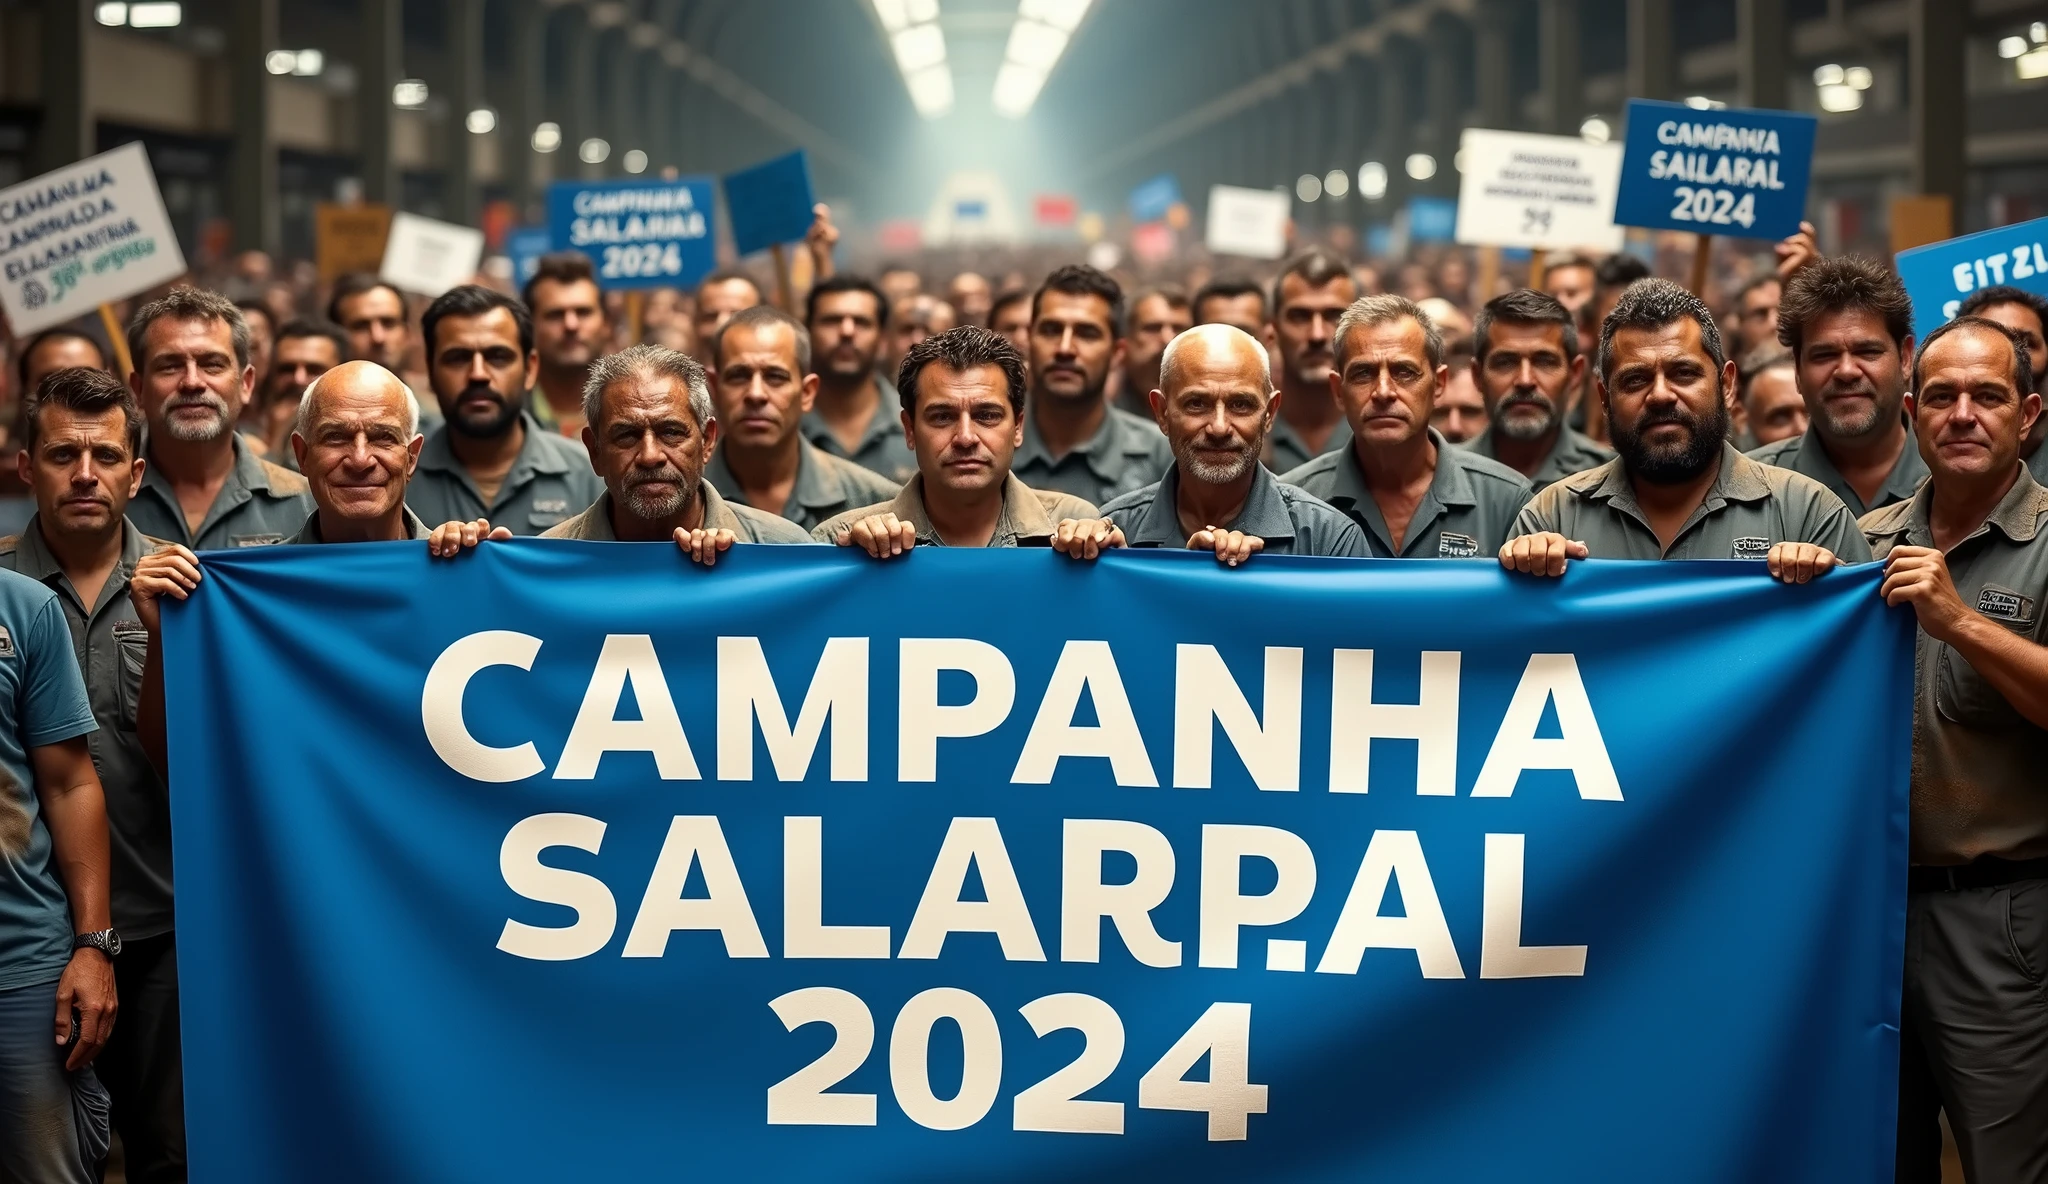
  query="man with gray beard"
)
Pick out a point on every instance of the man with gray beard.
point(1526, 362)
point(202, 487)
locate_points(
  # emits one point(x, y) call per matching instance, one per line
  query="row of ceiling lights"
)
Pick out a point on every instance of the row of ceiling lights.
point(1038, 38)
point(157, 14)
point(2029, 53)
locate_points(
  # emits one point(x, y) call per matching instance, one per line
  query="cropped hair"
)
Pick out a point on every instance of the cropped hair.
point(1004, 300)
point(1653, 304)
point(649, 361)
point(301, 328)
point(1371, 311)
point(762, 316)
point(1079, 279)
point(1619, 270)
point(475, 300)
point(962, 348)
point(1838, 285)
point(189, 304)
point(1976, 302)
point(87, 390)
point(1316, 267)
point(1174, 295)
point(1525, 307)
point(847, 283)
point(60, 333)
point(352, 285)
point(558, 267)
point(1228, 288)
point(2023, 377)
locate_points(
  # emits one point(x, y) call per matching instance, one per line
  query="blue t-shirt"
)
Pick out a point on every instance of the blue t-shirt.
point(42, 701)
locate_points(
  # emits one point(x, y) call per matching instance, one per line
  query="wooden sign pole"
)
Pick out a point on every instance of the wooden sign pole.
point(1536, 256)
point(636, 315)
point(1489, 272)
point(784, 298)
point(1702, 256)
point(117, 339)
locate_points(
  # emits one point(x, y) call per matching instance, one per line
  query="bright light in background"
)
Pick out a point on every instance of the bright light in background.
point(116, 15)
point(1422, 166)
point(634, 160)
point(1596, 130)
point(1337, 183)
point(1372, 180)
point(306, 63)
point(2008, 47)
point(2033, 64)
point(280, 61)
point(1841, 89)
point(919, 46)
point(481, 122)
point(1040, 36)
point(593, 151)
point(547, 137)
point(155, 16)
point(1307, 187)
point(410, 93)
point(1703, 103)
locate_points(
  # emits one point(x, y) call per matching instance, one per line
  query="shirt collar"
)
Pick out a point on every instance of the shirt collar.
point(1024, 519)
point(438, 454)
point(1264, 514)
point(1740, 480)
point(310, 532)
point(882, 423)
point(1099, 451)
point(1906, 475)
point(2017, 515)
point(34, 559)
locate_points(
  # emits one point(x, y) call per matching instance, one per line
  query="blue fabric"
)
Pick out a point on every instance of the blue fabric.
point(344, 891)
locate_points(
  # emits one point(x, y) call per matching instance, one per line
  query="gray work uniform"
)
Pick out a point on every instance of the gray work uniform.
point(1804, 454)
point(1467, 513)
point(1291, 521)
point(259, 504)
point(1029, 518)
point(1974, 1023)
point(882, 448)
point(1124, 454)
point(825, 485)
point(549, 481)
point(1572, 452)
point(309, 530)
point(1287, 451)
point(748, 524)
point(1749, 508)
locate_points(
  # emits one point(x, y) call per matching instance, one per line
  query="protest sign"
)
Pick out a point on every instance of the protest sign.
point(1432, 219)
point(770, 204)
point(1522, 190)
point(430, 257)
point(1938, 277)
point(640, 234)
point(1422, 871)
point(349, 238)
point(1248, 222)
point(1055, 210)
point(83, 236)
point(1150, 200)
point(524, 246)
point(1728, 170)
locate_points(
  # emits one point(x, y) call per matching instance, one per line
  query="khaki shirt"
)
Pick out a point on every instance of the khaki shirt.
point(1750, 507)
point(1291, 521)
point(1029, 519)
point(1804, 454)
point(1467, 512)
point(1287, 451)
point(882, 448)
point(825, 485)
point(110, 643)
point(259, 504)
point(1980, 768)
point(748, 524)
point(1124, 454)
point(1572, 452)
point(309, 531)
point(549, 481)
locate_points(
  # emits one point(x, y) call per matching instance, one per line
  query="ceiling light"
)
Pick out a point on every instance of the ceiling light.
point(918, 47)
point(116, 15)
point(634, 160)
point(1064, 15)
point(155, 16)
point(1308, 187)
point(307, 63)
point(1828, 75)
point(1372, 180)
point(1017, 87)
point(1337, 183)
point(901, 14)
point(1703, 103)
point(1840, 97)
point(1422, 166)
point(481, 122)
point(1035, 45)
point(1858, 77)
point(2033, 64)
point(2038, 31)
point(1595, 130)
point(1037, 40)
point(931, 91)
point(547, 137)
point(280, 61)
point(410, 93)
point(2008, 47)
point(593, 151)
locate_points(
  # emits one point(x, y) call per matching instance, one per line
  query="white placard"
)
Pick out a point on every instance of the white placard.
point(1521, 190)
point(81, 236)
point(1249, 222)
point(430, 257)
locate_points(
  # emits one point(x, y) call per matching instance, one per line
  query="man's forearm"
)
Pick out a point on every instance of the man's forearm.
point(76, 816)
point(2014, 666)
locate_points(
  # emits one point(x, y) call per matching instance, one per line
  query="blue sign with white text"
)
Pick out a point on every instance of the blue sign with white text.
point(1940, 275)
point(524, 247)
point(576, 861)
point(1151, 199)
point(1432, 219)
point(640, 234)
point(770, 203)
point(1728, 170)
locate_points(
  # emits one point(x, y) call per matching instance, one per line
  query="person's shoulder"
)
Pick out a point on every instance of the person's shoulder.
point(554, 445)
point(1061, 506)
point(769, 528)
point(1138, 434)
point(1777, 453)
point(9, 545)
point(1136, 501)
point(1585, 445)
point(1315, 476)
point(283, 482)
point(1886, 521)
point(858, 481)
point(1488, 473)
point(828, 530)
point(22, 596)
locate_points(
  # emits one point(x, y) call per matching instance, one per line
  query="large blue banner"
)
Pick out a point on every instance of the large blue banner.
point(572, 861)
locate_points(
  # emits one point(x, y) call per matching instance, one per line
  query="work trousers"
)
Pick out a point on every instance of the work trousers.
point(142, 1066)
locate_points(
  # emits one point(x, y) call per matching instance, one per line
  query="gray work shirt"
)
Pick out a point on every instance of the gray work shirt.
point(309, 530)
point(549, 482)
point(1029, 518)
point(259, 504)
point(1287, 451)
point(1749, 508)
point(825, 485)
point(2037, 464)
point(1290, 520)
point(1572, 452)
point(1805, 454)
point(1124, 454)
point(1467, 512)
point(748, 524)
point(1978, 783)
point(882, 448)
point(110, 643)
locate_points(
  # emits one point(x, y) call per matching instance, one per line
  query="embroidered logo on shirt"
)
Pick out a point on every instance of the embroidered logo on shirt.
point(255, 540)
point(2004, 604)
point(1752, 547)
point(1457, 546)
point(6, 643)
point(551, 505)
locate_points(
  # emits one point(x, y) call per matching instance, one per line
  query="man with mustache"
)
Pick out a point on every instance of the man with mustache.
point(490, 459)
point(649, 430)
point(1314, 289)
point(1678, 489)
point(1526, 362)
point(1969, 553)
point(202, 487)
point(1409, 491)
point(303, 351)
point(2026, 314)
point(850, 417)
point(1158, 315)
point(571, 330)
point(1849, 325)
point(374, 315)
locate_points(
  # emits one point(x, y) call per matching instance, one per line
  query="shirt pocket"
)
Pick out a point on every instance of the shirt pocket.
point(1966, 697)
point(547, 512)
point(131, 647)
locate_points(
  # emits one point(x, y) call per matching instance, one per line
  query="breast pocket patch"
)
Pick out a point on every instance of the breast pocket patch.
point(1456, 546)
point(2005, 605)
point(1751, 547)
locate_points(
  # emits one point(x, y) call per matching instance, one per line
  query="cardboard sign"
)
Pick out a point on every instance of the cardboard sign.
point(1522, 190)
point(430, 257)
point(1731, 171)
point(1248, 222)
point(81, 236)
point(770, 203)
point(349, 238)
point(524, 246)
point(1432, 219)
point(641, 234)
point(1938, 277)
point(1151, 200)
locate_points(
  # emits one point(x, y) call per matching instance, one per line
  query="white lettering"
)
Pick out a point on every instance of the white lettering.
point(597, 914)
point(1356, 721)
point(977, 842)
point(1501, 952)
point(746, 691)
point(1085, 665)
point(698, 839)
point(598, 730)
point(804, 932)
point(1085, 900)
point(1549, 678)
point(1225, 909)
point(1203, 690)
point(1392, 855)
point(441, 707)
point(921, 720)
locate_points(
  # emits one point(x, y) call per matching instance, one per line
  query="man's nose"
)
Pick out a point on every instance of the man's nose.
point(1067, 340)
point(479, 370)
point(1525, 374)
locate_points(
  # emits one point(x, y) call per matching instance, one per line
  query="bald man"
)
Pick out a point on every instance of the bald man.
point(1216, 404)
point(357, 440)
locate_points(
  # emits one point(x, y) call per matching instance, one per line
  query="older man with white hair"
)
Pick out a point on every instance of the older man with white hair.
point(357, 440)
point(1216, 404)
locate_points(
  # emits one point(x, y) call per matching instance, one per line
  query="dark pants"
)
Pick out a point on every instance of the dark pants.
point(1974, 1034)
point(142, 1067)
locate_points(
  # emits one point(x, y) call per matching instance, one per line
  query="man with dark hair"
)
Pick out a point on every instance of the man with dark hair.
point(303, 351)
point(1235, 301)
point(203, 486)
point(1527, 364)
point(2026, 314)
point(719, 295)
point(490, 459)
point(971, 295)
point(1572, 281)
point(1969, 553)
point(262, 332)
point(1313, 290)
point(1767, 390)
point(1009, 317)
point(82, 460)
point(1756, 313)
point(570, 332)
point(963, 413)
point(852, 416)
point(373, 314)
point(913, 319)
point(1678, 489)
point(55, 349)
point(1459, 412)
point(1849, 325)
point(1158, 315)
point(1410, 492)
point(761, 388)
point(1074, 441)
point(1613, 276)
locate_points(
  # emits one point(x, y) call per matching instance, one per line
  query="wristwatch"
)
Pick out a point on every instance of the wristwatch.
point(106, 941)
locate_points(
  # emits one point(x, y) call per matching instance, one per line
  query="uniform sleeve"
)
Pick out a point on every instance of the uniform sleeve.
point(1540, 514)
point(1348, 540)
point(53, 703)
point(1831, 525)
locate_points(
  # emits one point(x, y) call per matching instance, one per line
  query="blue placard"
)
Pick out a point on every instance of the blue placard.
point(1432, 219)
point(770, 203)
point(524, 246)
point(1151, 200)
point(1940, 275)
point(640, 234)
point(1732, 171)
point(970, 210)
